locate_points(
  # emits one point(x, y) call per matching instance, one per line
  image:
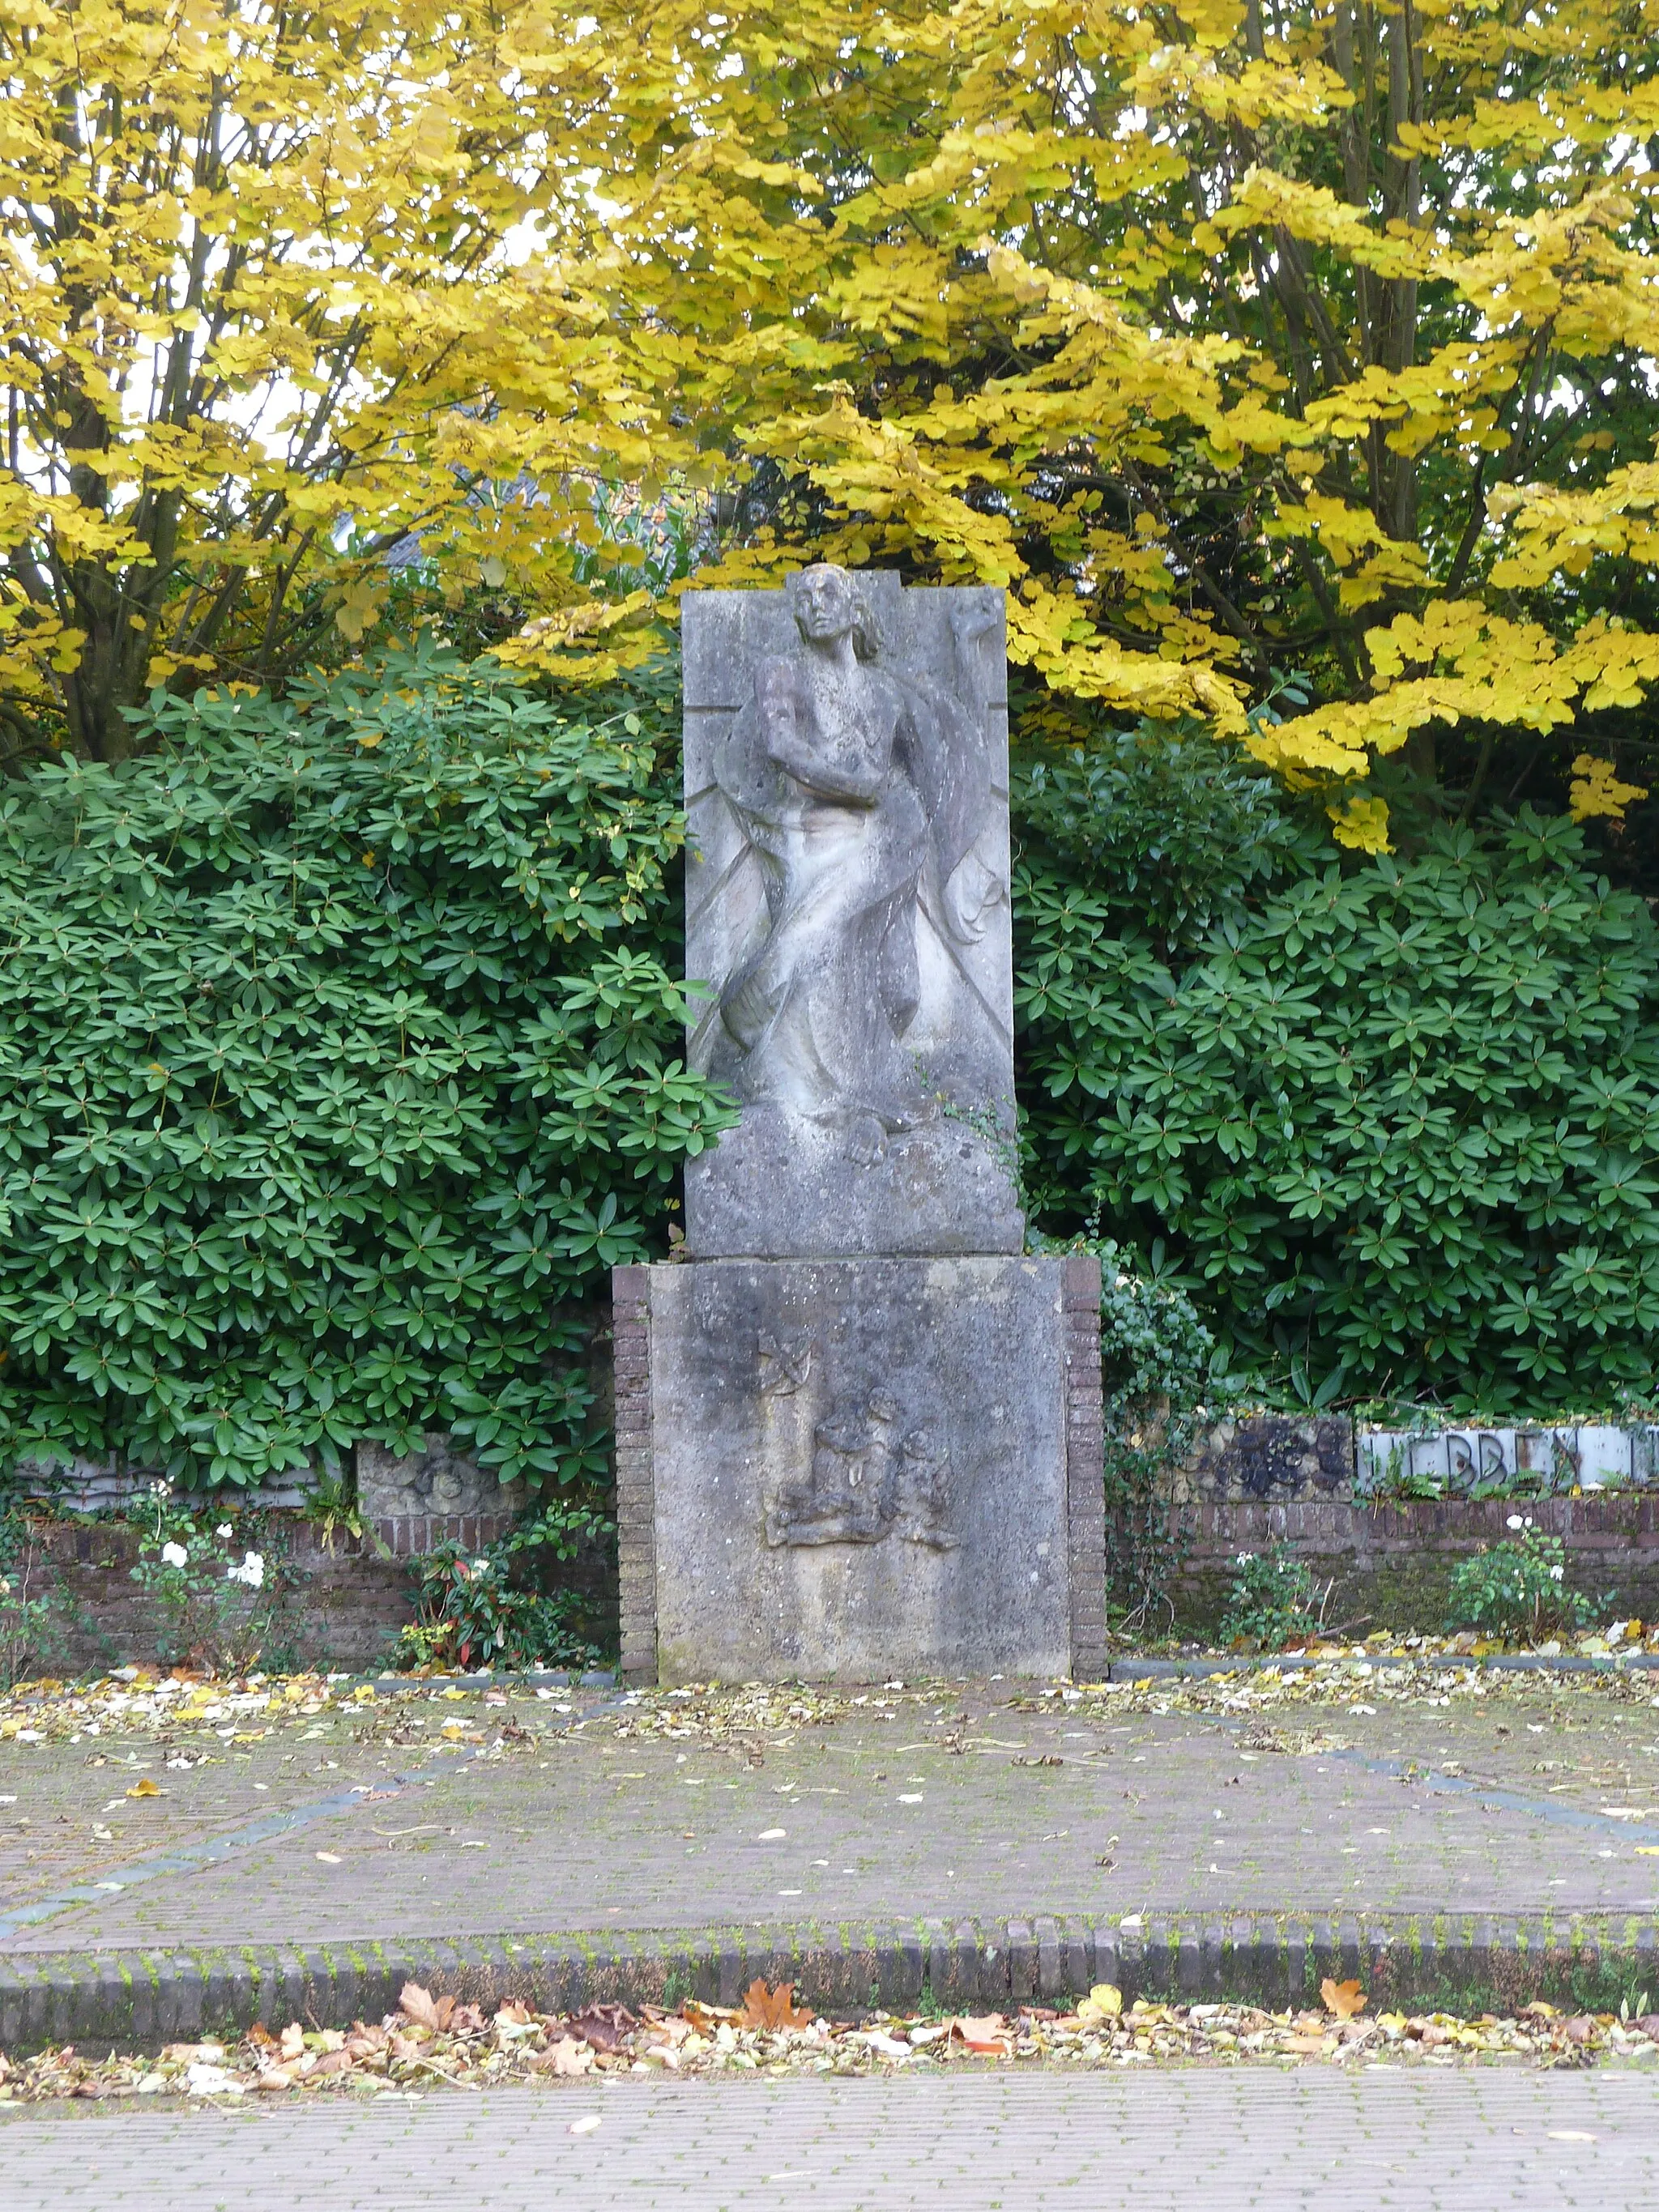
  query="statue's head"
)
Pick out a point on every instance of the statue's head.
point(827, 605)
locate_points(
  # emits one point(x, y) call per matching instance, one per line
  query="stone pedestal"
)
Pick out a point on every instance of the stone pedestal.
point(847, 1469)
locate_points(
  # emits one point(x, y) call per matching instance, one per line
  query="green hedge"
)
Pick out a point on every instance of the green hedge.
point(339, 1055)
point(1394, 1124)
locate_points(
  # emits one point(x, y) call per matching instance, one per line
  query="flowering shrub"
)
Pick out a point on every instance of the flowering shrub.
point(204, 1578)
point(1274, 1601)
point(1518, 1590)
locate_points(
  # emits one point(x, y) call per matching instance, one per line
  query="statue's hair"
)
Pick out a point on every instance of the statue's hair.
point(867, 639)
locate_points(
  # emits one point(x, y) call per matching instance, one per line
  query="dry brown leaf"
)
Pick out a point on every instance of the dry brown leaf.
point(775, 2008)
point(515, 2012)
point(604, 2026)
point(566, 2058)
point(985, 2035)
point(1345, 1999)
point(292, 2044)
point(420, 2006)
point(276, 2077)
point(1307, 2046)
point(326, 2063)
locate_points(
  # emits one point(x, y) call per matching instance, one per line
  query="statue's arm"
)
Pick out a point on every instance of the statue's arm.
point(774, 701)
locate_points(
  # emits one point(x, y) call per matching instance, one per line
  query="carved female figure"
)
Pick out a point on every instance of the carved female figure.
point(859, 793)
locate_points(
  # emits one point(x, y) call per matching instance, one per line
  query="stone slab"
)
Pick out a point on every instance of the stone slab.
point(1538, 1459)
point(862, 1469)
point(848, 917)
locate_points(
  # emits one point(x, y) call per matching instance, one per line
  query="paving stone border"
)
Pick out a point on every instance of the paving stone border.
point(1462, 1962)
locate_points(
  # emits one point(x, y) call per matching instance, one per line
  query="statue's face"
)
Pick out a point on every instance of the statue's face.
point(825, 608)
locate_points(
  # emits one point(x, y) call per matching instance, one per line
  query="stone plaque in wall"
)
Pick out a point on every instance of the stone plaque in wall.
point(438, 1483)
point(847, 1469)
point(847, 908)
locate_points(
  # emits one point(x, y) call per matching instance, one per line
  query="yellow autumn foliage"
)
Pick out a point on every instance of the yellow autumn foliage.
point(1230, 342)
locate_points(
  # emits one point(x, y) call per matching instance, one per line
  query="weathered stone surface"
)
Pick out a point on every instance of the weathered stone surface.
point(439, 1483)
point(1270, 1456)
point(865, 1467)
point(847, 908)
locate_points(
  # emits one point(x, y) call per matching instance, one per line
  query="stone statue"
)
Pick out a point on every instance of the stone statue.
point(851, 814)
point(861, 795)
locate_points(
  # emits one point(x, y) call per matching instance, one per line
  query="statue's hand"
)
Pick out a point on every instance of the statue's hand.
point(971, 893)
point(866, 1141)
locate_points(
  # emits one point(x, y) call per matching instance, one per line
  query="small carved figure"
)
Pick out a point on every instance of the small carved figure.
point(923, 1493)
point(847, 1496)
point(868, 1478)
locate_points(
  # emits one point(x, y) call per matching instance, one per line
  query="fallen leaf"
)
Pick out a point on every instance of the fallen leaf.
point(514, 2010)
point(1570, 2134)
point(420, 2006)
point(1307, 2046)
point(329, 1858)
point(293, 2043)
point(1103, 2001)
point(586, 2125)
point(1345, 1999)
point(775, 2008)
point(604, 2026)
point(145, 1788)
point(566, 2058)
point(985, 2035)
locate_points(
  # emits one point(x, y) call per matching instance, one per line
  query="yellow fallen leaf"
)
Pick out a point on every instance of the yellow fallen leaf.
point(1345, 1999)
point(146, 1787)
point(1103, 2001)
point(1646, 1850)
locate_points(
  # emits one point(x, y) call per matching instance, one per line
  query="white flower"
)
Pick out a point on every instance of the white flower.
point(1556, 1573)
point(224, 1528)
point(1527, 1524)
point(1515, 1521)
point(251, 1571)
point(480, 1566)
point(1244, 1558)
point(175, 1555)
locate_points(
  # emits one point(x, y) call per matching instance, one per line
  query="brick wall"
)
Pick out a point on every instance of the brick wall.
point(1392, 1562)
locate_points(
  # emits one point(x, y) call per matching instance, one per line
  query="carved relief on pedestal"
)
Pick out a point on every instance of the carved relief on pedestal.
point(872, 1469)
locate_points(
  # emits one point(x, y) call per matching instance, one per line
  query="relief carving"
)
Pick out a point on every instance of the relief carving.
point(873, 1470)
point(861, 793)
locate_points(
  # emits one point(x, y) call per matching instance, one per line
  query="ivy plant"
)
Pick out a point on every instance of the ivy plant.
point(341, 1053)
point(1393, 1119)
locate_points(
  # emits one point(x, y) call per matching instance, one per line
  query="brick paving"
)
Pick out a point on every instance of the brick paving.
point(1468, 2142)
point(928, 1804)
